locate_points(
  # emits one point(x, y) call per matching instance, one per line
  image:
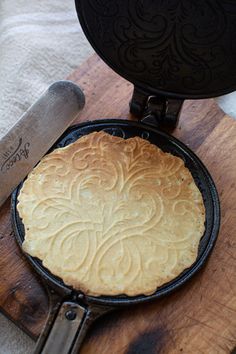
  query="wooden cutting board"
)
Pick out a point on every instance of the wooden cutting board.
point(198, 318)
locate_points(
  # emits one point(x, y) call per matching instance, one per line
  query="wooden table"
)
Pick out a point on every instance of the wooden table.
point(198, 318)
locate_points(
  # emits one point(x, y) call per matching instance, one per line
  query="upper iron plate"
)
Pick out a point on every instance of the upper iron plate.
point(182, 49)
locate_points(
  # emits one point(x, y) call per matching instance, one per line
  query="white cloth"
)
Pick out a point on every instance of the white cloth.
point(41, 41)
point(13, 340)
point(228, 104)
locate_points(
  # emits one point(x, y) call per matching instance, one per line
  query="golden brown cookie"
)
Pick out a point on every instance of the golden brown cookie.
point(112, 216)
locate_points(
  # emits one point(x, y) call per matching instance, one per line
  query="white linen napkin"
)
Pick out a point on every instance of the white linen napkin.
point(40, 42)
point(228, 104)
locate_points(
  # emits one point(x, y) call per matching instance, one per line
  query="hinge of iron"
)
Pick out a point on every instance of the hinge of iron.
point(160, 111)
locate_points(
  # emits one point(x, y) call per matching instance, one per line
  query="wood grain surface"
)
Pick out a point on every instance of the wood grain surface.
point(198, 318)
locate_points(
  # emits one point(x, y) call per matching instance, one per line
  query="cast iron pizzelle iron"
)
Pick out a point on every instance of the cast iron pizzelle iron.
point(170, 50)
point(71, 317)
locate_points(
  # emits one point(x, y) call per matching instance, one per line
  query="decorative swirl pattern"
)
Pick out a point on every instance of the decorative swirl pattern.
point(179, 47)
point(112, 216)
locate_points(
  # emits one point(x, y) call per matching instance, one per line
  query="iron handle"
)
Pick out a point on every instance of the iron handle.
point(65, 333)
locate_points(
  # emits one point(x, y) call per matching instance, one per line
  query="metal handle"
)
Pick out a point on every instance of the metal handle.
point(66, 334)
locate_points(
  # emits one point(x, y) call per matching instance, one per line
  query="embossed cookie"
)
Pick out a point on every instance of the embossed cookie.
point(112, 216)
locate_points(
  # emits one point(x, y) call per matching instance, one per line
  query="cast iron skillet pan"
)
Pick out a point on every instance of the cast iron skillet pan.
point(70, 318)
